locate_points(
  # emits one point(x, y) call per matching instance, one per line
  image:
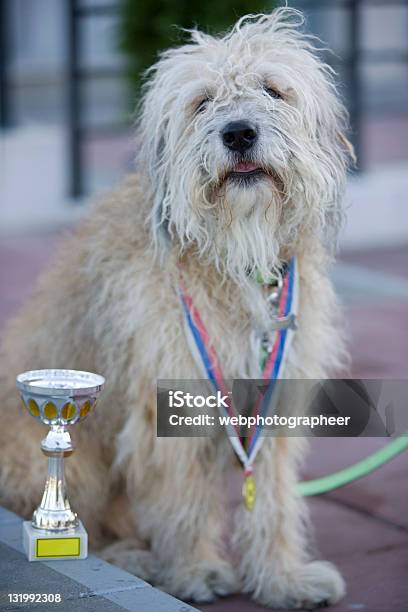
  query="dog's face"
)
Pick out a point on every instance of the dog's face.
point(242, 141)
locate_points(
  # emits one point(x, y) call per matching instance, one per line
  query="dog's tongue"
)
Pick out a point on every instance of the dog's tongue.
point(245, 167)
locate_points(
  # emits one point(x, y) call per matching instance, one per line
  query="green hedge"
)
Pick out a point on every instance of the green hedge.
point(149, 26)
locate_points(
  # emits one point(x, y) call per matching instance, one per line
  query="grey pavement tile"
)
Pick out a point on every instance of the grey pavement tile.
point(90, 584)
point(19, 576)
point(91, 604)
point(149, 600)
point(97, 575)
point(11, 534)
point(6, 516)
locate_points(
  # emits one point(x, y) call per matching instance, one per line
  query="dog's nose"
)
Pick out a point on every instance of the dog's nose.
point(239, 136)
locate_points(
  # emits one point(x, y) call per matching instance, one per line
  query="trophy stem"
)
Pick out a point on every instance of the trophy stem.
point(54, 513)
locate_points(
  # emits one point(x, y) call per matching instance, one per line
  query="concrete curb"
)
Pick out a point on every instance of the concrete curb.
point(89, 584)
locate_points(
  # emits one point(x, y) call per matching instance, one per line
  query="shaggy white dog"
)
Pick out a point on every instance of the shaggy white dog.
point(241, 165)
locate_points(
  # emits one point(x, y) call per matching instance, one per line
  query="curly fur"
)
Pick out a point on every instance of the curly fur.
point(108, 304)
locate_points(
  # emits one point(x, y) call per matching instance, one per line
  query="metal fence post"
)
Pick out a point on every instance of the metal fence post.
point(5, 107)
point(75, 187)
point(355, 80)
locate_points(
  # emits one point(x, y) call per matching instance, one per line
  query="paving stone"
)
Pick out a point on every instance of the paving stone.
point(6, 516)
point(380, 493)
point(22, 260)
point(84, 585)
point(97, 575)
point(379, 340)
point(11, 534)
point(17, 575)
point(373, 557)
point(149, 600)
point(341, 532)
point(237, 603)
point(391, 260)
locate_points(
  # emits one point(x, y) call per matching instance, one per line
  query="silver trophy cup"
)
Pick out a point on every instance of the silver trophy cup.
point(58, 398)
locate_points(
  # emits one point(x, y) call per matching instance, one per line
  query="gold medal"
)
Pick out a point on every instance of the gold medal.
point(249, 492)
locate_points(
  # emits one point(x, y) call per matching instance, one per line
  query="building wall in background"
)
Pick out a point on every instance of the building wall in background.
point(39, 137)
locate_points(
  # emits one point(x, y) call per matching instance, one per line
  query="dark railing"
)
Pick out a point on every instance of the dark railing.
point(355, 86)
point(351, 62)
point(76, 187)
point(356, 57)
point(77, 75)
point(5, 103)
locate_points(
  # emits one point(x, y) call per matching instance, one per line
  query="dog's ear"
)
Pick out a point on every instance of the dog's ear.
point(347, 146)
point(333, 154)
point(161, 213)
point(161, 123)
point(153, 155)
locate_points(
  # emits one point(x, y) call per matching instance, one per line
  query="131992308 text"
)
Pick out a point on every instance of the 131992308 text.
point(35, 597)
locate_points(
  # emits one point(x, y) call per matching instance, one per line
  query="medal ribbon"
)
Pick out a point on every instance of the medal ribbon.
point(204, 352)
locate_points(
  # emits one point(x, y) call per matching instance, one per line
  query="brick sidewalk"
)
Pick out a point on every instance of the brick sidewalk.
point(362, 527)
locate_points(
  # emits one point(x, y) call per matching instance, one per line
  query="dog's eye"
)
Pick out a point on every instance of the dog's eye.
point(273, 93)
point(201, 106)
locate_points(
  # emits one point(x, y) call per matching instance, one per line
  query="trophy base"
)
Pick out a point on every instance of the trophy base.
point(43, 545)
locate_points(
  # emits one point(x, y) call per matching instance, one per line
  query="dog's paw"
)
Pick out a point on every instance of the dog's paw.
point(200, 582)
point(128, 555)
point(314, 585)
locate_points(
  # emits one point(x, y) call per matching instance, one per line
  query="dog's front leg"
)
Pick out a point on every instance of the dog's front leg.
point(181, 512)
point(272, 538)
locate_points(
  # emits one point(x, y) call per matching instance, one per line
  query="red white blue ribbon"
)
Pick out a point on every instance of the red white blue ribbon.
point(273, 370)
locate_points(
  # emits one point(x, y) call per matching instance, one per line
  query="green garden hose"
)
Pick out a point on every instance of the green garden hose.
point(355, 471)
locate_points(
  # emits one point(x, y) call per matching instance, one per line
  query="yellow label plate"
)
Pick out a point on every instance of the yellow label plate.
point(58, 547)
